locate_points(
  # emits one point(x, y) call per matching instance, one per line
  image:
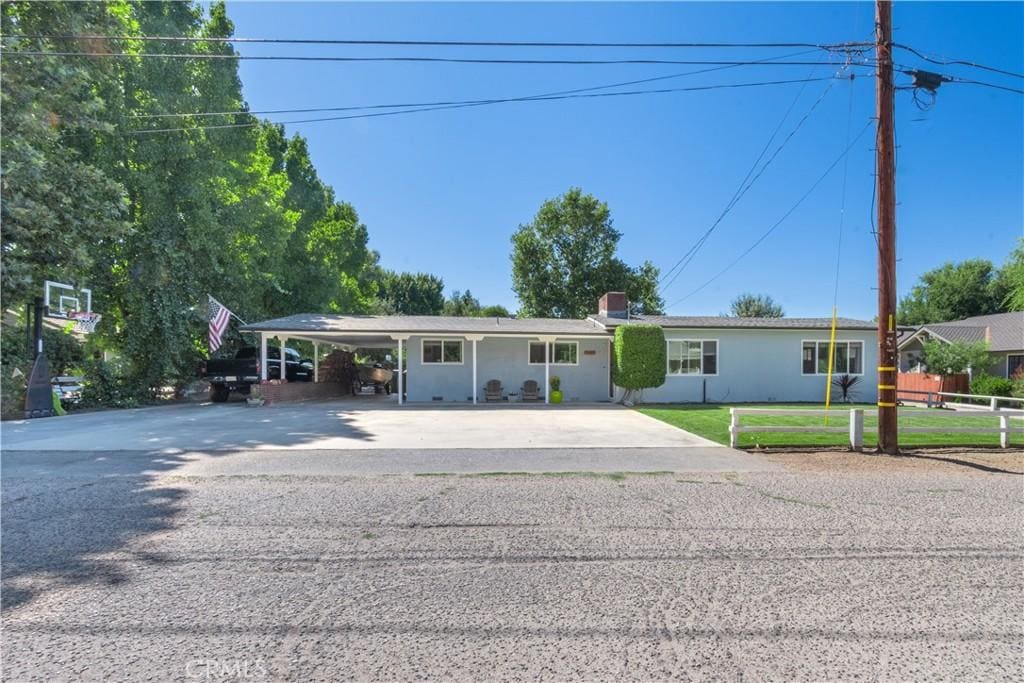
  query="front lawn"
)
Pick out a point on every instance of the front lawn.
point(712, 422)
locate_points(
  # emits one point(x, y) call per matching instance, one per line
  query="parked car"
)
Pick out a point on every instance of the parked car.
point(243, 370)
point(68, 389)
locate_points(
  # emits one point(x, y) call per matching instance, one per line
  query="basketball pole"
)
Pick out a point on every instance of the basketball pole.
point(38, 394)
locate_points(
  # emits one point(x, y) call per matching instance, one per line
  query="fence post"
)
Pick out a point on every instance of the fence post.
point(1004, 436)
point(994, 403)
point(734, 436)
point(856, 429)
point(929, 399)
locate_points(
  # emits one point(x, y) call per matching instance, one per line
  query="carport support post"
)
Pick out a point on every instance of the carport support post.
point(263, 357)
point(284, 367)
point(474, 338)
point(548, 342)
point(316, 362)
point(401, 379)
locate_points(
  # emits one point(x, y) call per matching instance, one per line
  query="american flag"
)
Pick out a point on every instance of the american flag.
point(219, 318)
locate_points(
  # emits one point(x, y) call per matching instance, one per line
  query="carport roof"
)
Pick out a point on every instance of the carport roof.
point(315, 324)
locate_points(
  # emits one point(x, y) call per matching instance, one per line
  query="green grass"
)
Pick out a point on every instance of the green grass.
point(712, 422)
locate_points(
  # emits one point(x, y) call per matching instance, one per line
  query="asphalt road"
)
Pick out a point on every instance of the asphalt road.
point(141, 572)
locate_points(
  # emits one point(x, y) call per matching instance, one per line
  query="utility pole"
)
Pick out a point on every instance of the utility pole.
point(885, 178)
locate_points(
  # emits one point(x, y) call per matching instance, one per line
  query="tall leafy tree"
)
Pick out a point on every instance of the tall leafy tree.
point(953, 291)
point(410, 293)
point(495, 311)
point(462, 304)
point(57, 208)
point(755, 306)
point(565, 259)
point(1011, 279)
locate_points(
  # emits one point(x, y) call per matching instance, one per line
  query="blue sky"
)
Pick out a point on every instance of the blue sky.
point(443, 191)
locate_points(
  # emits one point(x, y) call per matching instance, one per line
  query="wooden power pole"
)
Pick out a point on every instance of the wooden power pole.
point(885, 178)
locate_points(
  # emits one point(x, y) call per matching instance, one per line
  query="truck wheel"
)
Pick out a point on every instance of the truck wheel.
point(219, 393)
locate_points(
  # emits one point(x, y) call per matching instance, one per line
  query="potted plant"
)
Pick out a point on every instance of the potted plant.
point(255, 398)
point(556, 389)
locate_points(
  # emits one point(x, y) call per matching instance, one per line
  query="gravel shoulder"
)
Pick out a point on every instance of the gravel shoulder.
point(832, 567)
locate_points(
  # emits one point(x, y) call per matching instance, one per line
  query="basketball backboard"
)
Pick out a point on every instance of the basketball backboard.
point(62, 300)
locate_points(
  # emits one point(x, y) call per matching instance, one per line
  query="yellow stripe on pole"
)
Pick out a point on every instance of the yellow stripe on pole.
point(882, 404)
point(886, 368)
point(831, 360)
point(887, 386)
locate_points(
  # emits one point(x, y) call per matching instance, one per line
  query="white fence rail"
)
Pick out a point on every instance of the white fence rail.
point(935, 397)
point(855, 424)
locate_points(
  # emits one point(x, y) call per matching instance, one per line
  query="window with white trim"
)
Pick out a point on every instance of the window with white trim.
point(1014, 364)
point(849, 358)
point(692, 357)
point(562, 353)
point(442, 351)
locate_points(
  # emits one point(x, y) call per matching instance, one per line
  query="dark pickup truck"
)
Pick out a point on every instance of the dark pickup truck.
point(241, 372)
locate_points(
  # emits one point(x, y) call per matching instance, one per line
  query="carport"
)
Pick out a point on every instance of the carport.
point(494, 346)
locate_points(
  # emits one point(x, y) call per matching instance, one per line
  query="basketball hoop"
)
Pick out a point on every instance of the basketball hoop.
point(85, 321)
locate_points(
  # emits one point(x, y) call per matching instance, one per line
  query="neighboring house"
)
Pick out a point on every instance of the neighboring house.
point(1004, 333)
point(710, 359)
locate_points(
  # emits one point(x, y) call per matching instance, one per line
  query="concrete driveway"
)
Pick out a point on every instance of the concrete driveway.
point(365, 437)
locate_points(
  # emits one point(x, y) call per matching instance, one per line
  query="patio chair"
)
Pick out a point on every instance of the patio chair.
point(492, 390)
point(531, 390)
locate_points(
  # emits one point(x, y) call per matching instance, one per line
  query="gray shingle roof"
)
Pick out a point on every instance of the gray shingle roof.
point(425, 324)
point(726, 322)
point(1004, 331)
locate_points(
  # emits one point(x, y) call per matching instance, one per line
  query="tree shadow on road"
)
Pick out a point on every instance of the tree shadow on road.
point(62, 530)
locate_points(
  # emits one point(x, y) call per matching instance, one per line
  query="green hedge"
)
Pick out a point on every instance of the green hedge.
point(988, 385)
point(639, 360)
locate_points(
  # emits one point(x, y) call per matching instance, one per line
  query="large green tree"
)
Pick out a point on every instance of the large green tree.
point(410, 293)
point(953, 291)
point(465, 304)
point(58, 208)
point(755, 306)
point(565, 259)
point(1011, 279)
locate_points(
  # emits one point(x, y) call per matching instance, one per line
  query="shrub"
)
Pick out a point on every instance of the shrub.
point(556, 383)
point(1018, 383)
point(987, 385)
point(639, 357)
point(845, 384)
point(104, 386)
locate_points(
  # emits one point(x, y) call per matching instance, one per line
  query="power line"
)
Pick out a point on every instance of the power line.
point(442, 43)
point(414, 59)
point(945, 61)
point(307, 110)
point(931, 81)
point(744, 185)
point(968, 81)
point(740, 190)
point(786, 215)
point(476, 103)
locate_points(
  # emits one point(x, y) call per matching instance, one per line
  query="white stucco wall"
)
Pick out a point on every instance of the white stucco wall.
point(506, 359)
point(762, 366)
point(753, 366)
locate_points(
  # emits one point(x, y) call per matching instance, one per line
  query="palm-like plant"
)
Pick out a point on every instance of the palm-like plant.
point(845, 384)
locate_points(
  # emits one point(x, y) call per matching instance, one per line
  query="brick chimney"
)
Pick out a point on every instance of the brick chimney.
point(613, 305)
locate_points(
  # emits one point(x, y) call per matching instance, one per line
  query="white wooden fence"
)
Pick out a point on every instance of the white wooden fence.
point(855, 424)
point(935, 397)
